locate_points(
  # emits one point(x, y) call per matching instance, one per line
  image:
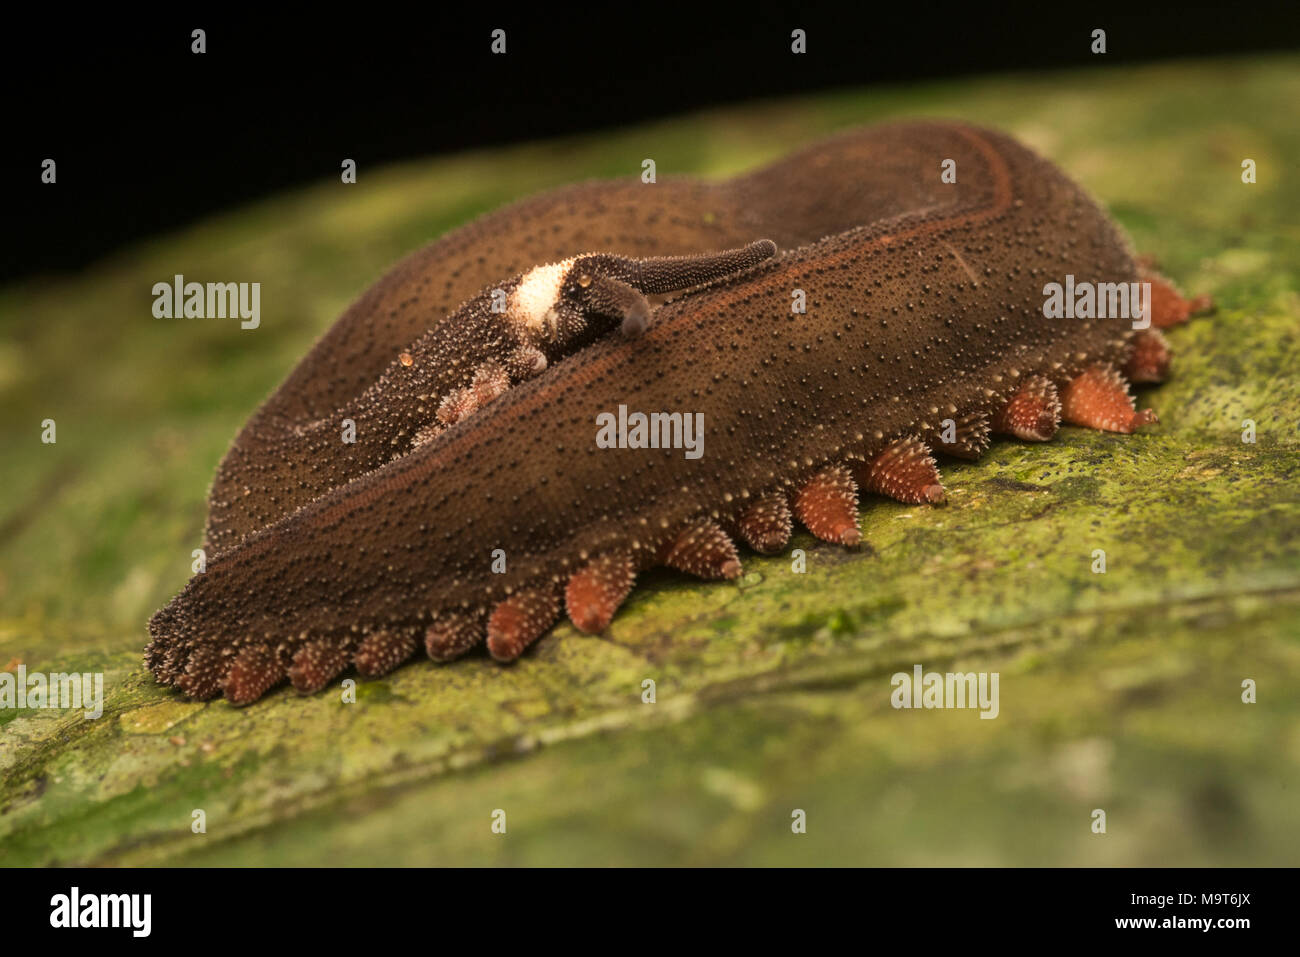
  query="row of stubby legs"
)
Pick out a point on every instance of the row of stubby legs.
point(826, 504)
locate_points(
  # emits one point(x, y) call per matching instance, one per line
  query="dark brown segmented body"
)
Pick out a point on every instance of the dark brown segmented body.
point(464, 360)
point(855, 178)
point(934, 312)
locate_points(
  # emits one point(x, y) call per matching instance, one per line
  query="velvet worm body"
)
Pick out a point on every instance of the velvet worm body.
point(923, 328)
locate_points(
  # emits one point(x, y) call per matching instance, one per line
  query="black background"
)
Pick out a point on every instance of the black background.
point(911, 911)
point(148, 136)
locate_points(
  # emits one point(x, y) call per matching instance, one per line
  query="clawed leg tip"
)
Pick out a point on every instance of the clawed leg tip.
point(1145, 417)
point(592, 624)
point(241, 697)
point(935, 494)
point(847, 535)
point(503, 652)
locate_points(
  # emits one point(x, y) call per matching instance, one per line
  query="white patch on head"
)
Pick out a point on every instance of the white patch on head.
point(533, 301)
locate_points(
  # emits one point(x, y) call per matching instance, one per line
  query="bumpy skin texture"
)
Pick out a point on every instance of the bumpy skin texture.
point(506, 334)
point(843, 182)
point(932, 312)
